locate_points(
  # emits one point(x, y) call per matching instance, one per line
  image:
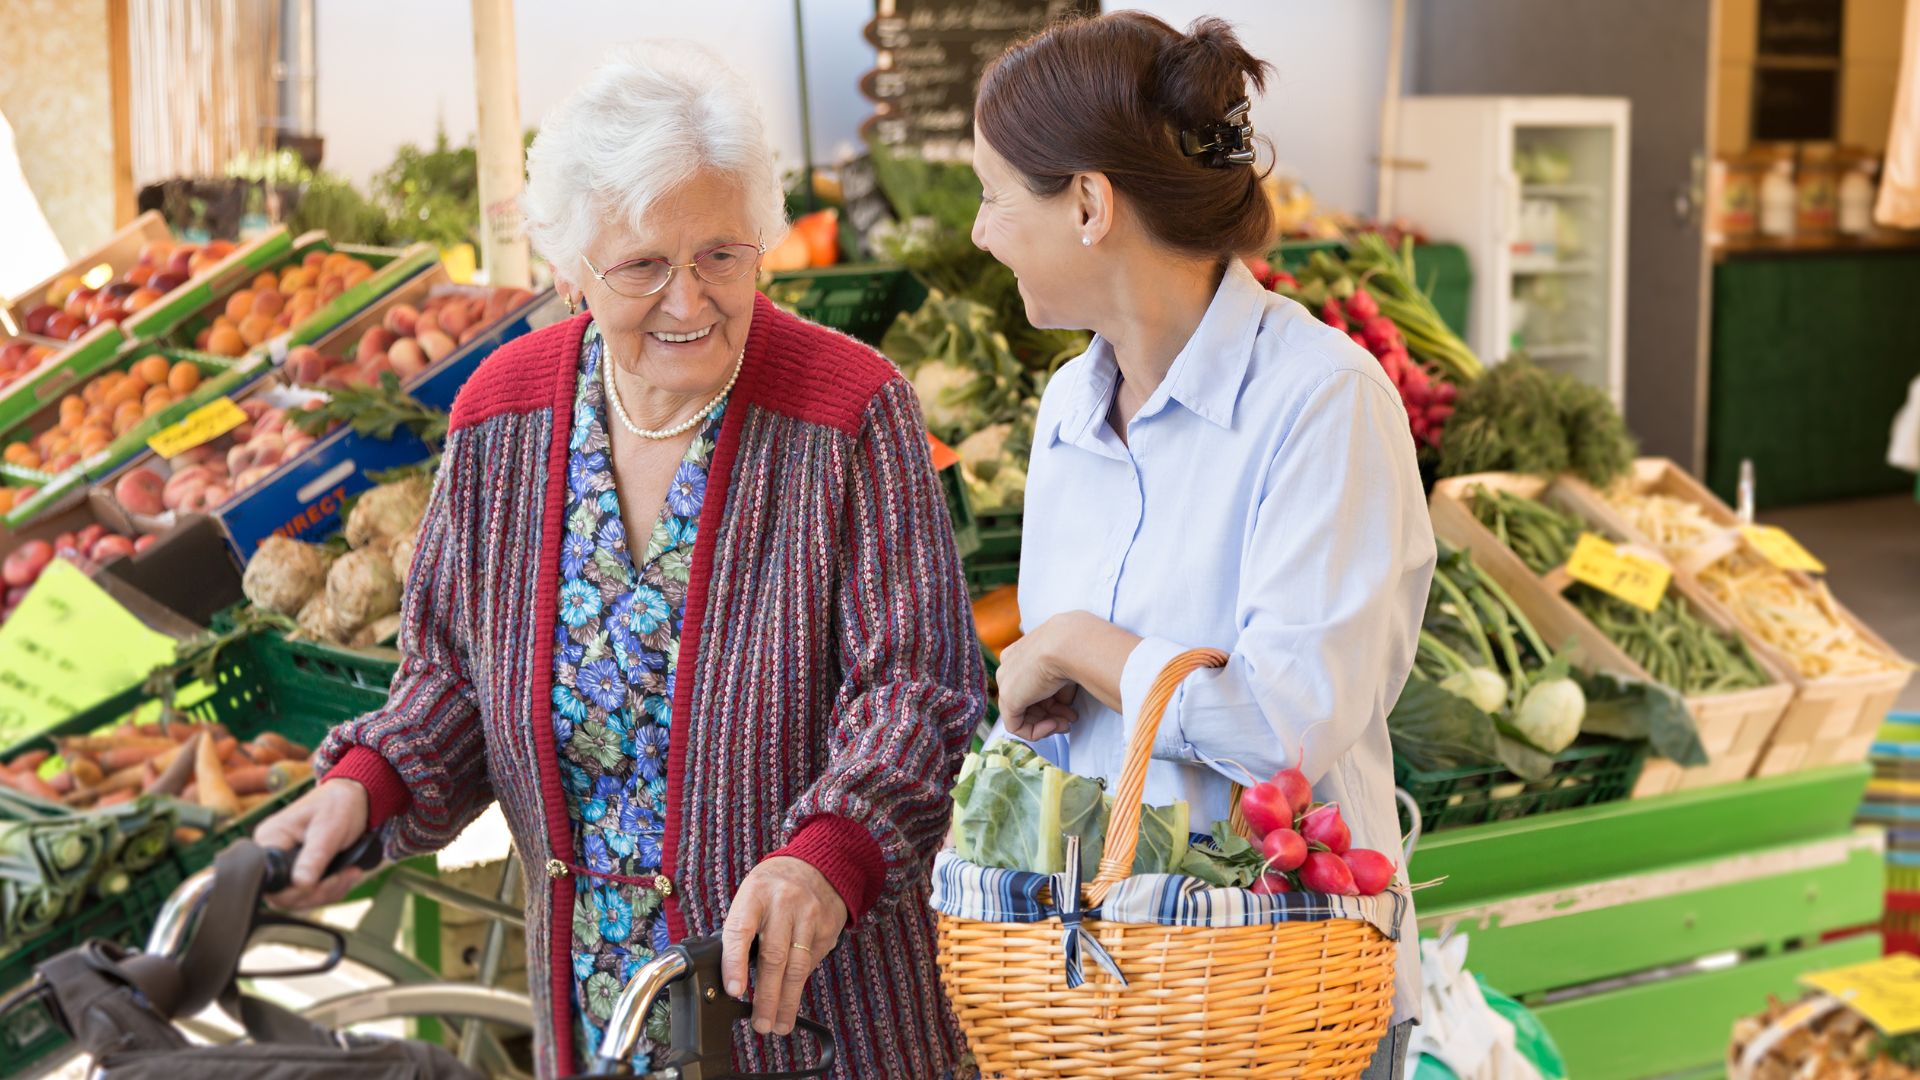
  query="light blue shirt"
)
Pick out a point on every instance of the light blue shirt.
point(1266, 502)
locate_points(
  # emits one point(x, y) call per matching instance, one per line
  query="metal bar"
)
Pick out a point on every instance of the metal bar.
point(434, 889)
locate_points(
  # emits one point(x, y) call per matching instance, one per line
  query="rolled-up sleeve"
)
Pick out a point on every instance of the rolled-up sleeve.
point(1333, 588)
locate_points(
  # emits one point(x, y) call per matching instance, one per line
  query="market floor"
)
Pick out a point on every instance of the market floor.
point(1872, 551)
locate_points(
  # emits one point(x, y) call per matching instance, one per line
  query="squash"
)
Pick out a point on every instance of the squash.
point(996, 617)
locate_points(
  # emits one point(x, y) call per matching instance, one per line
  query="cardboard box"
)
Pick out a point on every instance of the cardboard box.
point(1734, 727)
point(185, 578)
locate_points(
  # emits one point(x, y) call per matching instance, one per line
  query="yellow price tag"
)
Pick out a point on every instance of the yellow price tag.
point(202, 425)
point(1885, 991)
point(1781, 549)
point(1637, 580)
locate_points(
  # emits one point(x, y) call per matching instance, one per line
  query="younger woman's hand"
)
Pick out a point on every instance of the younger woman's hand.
point(1036, 699)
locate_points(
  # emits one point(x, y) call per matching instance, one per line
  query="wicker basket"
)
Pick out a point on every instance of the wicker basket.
point(1295, 999)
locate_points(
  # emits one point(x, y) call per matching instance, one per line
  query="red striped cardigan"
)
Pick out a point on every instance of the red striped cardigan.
point(828, 675)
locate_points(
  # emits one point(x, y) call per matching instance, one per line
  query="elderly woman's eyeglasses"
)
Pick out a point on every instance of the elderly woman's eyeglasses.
point(638, 278)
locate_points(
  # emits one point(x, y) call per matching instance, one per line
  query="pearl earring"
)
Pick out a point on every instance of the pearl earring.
point(1086, 241)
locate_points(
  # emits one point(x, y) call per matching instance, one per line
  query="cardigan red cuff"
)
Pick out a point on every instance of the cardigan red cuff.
point(387, 794)
point(847, 855)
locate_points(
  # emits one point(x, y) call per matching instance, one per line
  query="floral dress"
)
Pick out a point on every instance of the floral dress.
point(617, 642)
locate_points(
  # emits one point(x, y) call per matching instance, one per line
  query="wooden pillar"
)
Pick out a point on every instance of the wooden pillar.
point(501, 158)
point(120, 76)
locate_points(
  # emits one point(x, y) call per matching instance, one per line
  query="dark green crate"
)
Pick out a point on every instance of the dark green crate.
point(859, 301)
point(259, 684)
point(1589, 772)
point(966, 531)
point(30, 1034)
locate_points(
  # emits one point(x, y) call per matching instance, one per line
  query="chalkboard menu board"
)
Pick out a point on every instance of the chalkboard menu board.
point(929, 57)
point(1800, 28)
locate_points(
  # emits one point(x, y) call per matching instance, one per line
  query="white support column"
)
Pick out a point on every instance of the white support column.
point(501, 158)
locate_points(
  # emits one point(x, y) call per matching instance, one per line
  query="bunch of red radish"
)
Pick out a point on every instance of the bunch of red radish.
point(1307, 846)
point(1428, 400)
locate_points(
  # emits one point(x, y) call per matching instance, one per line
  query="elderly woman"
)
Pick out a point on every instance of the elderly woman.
point(687, 604)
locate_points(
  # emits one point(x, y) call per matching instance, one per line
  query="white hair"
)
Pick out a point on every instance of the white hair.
point(648, 120)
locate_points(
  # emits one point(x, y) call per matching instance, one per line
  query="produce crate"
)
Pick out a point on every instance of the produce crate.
point(179, 323)
point(220, 376)
point(996, 561)
point(66, 363)
point(370, 669)
point(1591, 771)
point(1831, 720)
point(341, 340)
point(1733, 727)
point(859, 301)
point(1599, 918)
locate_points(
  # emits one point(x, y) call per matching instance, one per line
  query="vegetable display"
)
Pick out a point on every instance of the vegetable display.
point(1524, 418)
point(107, 407)
point(1838, 1044)
point(349, 597)
point(1795, 615)
point(1672, 644)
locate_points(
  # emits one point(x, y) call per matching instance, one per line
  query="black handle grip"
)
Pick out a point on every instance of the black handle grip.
point(362, 854)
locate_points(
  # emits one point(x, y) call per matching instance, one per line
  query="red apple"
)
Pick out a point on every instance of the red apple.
point(37, 318)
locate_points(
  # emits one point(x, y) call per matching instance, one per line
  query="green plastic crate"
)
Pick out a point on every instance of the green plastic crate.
point(859, 301)
point(1589, 772)
point(30, 1034)
point(368, 671)
point(996, 560)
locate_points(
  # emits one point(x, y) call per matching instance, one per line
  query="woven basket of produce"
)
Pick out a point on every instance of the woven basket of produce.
point(1818, 1038)
point(1160, 975)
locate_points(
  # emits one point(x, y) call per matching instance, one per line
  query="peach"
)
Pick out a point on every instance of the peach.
point(261, 450)
point(297, 443)
point(314, 260)
point(155, 252)
point(453, 318)
point(144, 543)
point(437, 346)
point(201, 339)
point(139, 492)
point(268, 302)
point(63, 462)
point(400, 319)
point(376, 340)
point(271, 422)
point(141, 299)
point(256, 328)
point(427, 323)
point(305, 364)
point(252, 476)
point(408, 358)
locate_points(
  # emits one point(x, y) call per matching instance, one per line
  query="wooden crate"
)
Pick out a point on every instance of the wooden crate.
point(119, 253)
point(1831, 720)
point(1734, 727)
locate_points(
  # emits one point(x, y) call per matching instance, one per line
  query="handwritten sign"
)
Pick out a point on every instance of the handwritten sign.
point(202, 425)
point(1885, 991)
point(928, 58)
point(68, 646)
point(1781, 549)
point(1638, 580)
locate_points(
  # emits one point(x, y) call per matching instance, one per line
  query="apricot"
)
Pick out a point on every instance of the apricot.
point(240, 305)
point(200, 339)
point(296, 278)
point(183, 378)
point(268, 302)
point(157, 398)
point(125, 415)
point(128, 389)
point(72, 408)
point(97, 414)
point(256, 328)
point(152, 369)
point(226, 341)
point(264, 281)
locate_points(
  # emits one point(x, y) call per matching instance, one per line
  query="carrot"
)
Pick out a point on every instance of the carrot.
point(29, 783)
point(122, 756)
point(248, 779)
point(286, 774)
point(191, 793)
point(93, 745)
point(224, 747)
point(127, 779)
point(177, 771)
point(280, 744)
point(62, 781)
point(262, 753)
point(29, 761)
point(186, 834)
point(250, 803)
point(113, 798)
point(86, 772)
point(215, 794)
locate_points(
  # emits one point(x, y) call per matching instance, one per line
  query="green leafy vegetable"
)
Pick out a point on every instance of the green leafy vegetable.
point(1634, 709)
point(1520, 417)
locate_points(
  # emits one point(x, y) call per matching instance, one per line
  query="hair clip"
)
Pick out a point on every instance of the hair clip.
point(1229, 142)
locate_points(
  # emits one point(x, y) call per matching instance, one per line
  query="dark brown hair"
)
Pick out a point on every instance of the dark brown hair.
point(1111, 94)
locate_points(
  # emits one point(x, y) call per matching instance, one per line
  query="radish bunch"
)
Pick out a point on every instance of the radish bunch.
point(1306, 845)
point(1427, 399)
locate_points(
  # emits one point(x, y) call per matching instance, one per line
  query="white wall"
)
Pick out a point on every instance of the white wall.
point(389, 71)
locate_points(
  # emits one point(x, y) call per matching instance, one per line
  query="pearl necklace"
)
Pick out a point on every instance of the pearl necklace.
point(619, 410)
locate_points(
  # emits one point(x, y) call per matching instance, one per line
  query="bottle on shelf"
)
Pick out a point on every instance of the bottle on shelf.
point(1856, 199)
point(1778, 201)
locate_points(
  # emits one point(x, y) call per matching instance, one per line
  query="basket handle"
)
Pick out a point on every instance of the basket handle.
point(1123, 828)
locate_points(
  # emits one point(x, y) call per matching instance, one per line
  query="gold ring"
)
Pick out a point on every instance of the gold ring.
point(802, 948)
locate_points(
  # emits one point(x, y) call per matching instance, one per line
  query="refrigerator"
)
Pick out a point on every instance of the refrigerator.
point(1535, 190)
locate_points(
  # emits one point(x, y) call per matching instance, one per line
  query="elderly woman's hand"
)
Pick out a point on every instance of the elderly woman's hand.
point(797, 917)
point(321, 823)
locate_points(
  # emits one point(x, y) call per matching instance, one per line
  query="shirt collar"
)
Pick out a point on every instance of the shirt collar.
point(1205, 377)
